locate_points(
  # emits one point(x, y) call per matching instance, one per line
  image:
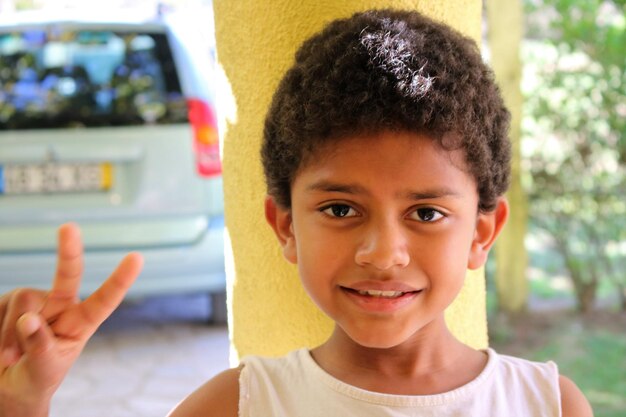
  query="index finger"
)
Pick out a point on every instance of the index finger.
point(69, 263)
point(89, 314)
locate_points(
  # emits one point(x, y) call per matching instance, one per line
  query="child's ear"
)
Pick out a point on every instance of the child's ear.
point(488, 227)
point(280, 219)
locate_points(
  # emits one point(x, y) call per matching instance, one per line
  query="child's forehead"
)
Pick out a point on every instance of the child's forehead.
point(414, 142)
point(404, 144)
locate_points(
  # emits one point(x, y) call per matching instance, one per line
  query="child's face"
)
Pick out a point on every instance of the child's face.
point(383, 229)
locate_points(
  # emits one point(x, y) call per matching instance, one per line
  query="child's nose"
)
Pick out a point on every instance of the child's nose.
point(383, 247)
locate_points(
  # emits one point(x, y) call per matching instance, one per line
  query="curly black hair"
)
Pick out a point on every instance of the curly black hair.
point(388, 70)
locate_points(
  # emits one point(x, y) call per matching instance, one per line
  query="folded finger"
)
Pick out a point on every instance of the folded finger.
point(37, 342)
point(99, 305)
point(20, 302)
point(33, 334)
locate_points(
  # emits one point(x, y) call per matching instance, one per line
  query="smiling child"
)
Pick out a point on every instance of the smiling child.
point(386, 158)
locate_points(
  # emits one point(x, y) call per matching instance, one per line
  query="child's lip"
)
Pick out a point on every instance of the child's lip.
point(381, 304)
point(381, 286)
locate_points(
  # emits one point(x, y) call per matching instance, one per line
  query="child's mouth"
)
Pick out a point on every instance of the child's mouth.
point(380, 301)
point(381, 294)
point(395, 293)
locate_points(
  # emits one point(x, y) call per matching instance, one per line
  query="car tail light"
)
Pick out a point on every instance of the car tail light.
point(206, 139)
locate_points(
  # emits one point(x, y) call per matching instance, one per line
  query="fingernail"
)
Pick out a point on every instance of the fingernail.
point(28, 324)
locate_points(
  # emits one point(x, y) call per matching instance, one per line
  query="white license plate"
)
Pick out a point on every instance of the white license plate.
point(55, 178)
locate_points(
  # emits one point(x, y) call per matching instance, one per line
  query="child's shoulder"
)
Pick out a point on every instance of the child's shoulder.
point(218, 397)
point(572, 400)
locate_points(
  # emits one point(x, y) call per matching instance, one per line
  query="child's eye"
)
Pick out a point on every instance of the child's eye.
point(427, 215)
point(339, 210)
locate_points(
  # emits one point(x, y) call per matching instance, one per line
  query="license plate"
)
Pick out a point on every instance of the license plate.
point(55, 178)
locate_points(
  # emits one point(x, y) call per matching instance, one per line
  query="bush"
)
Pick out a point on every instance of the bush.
point(574, 137)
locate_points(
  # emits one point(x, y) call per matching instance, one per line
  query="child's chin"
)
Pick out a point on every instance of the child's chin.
point(379, 341)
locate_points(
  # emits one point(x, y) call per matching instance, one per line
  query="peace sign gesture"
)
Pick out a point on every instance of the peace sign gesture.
point(43, 333)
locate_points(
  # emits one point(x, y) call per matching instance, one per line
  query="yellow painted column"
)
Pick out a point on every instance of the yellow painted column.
point(506, 27)
point(256, 42)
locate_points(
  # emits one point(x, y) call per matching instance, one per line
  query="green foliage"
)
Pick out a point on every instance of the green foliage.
point(583, 355)
point(588, 349)
point(574, 141)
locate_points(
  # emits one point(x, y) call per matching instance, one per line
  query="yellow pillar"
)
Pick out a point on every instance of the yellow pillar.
point(256, 42)
point(506, 26)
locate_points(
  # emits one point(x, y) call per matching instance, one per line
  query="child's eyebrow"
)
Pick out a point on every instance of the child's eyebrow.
point(328, 186)
point(433, 193)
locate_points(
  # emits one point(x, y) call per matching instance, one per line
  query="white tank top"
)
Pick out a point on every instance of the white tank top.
point(295, 386)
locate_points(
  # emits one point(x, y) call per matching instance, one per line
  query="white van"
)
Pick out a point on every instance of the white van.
point(110, 122)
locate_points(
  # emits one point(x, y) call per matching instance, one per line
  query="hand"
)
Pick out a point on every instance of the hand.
point(43, 333)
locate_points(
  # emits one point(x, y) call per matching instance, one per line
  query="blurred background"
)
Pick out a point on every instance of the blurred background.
point(557, 282)
point(13, 5)
point(566, 298)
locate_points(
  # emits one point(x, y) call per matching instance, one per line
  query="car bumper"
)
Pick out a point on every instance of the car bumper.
point(167, 270)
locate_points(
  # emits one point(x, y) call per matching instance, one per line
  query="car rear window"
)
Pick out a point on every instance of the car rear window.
point(58, 77)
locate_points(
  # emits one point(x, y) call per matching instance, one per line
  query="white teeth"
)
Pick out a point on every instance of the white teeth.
point(383, 294)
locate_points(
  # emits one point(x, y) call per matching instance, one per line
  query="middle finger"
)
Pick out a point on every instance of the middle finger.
point(69, 264)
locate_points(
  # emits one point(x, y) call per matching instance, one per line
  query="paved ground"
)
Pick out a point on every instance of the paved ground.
point(144, 359)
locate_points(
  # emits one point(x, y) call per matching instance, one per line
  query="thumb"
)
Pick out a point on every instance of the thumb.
point(37, 368)
point(35, 337)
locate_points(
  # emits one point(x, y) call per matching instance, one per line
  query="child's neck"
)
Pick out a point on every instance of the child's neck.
point(431, 362)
